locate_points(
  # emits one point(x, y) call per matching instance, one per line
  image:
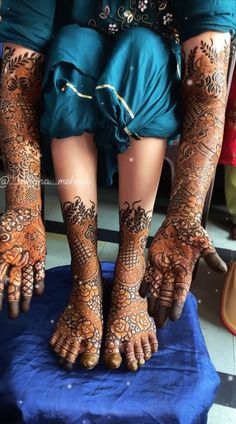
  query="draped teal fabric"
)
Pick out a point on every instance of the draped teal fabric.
point(113, 88)
point(27, 23)
point(32, 23)
point(194, 17)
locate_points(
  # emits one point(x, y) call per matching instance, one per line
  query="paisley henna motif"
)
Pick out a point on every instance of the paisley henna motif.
point(79, 328)
point(22, 235)
point(181, 238)
point(129, 328)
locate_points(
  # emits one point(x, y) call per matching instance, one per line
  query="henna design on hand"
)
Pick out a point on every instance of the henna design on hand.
point(19, 106)
point(20, 257)
point(80, 326)
point(22, 235)
point(129, 327)
point(181, 238)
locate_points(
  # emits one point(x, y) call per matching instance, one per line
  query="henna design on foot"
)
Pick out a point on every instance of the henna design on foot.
point(130, 330)
point(79, 329)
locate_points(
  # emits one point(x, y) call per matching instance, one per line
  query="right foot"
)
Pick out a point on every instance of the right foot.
point(79, 329)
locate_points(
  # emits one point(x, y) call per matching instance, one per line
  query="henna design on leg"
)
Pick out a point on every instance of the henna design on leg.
point(80, 325)
point(129, 326)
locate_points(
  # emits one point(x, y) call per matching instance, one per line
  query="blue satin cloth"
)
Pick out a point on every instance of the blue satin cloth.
point(177, 386)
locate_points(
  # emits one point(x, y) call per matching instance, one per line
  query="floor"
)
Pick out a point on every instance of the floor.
point(221, 344)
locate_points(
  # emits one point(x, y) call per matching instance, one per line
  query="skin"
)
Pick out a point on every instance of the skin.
point(181, 239)
point(79, 330)
point(130, 330)
point(23, 247)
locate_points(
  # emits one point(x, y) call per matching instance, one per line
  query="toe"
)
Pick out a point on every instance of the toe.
point(138, 351)
point(72, 354)
point(147, 351)
point(131, 361)
point(89, 360)
point(63, 350)
point(57, 346)
point(54, 339)
point(113, 360)
point(153, 342)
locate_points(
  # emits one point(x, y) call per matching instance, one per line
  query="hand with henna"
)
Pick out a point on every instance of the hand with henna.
point(171, 260)
point(22, 258)
point(22, 235)
point(181, 239)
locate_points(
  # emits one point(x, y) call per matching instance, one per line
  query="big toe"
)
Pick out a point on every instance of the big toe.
point(113, 360)
point(89, 360)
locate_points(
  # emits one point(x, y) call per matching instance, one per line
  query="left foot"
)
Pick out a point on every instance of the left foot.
point(130, 329)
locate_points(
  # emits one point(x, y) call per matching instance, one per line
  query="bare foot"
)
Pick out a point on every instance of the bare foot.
point(79, 329)
point(130, 330)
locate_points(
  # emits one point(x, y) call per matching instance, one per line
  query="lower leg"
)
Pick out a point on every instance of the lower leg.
point(79, 329)
point(130, 329)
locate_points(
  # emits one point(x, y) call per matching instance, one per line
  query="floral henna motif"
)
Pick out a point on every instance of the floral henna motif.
point(181, 238)
point(130, 329)
point(21, 230)
point(21, 256)
point(79, 329)
point(19, 106)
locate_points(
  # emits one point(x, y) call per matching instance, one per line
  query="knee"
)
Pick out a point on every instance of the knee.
point(145, 40)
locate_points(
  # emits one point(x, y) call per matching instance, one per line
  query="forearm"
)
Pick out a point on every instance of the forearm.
point(204, 87)
point(19, 111)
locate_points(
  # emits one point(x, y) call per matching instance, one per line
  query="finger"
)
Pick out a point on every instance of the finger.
point(180, 295)
point(166, 299)
point(14, 292)
point(147, 280)
point(214, 261)
point(143, 288)
point(3, 272)
point(153, 303)
point(39, 276)
point(176, 311)
point(27, 282)
point(162, 316)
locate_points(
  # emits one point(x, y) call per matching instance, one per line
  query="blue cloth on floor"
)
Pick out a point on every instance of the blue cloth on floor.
point(177, 385)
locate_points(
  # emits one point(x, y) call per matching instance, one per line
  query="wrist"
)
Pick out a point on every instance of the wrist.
point(22, 194)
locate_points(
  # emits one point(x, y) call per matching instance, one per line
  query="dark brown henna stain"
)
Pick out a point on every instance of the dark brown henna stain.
point(181, 238)
point(204, 100)
point(80, 325)
point(129, 328)
point(22, 234)
point(19, 105)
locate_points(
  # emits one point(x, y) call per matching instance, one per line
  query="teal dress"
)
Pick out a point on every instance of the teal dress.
point(114, 70)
